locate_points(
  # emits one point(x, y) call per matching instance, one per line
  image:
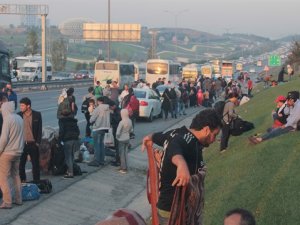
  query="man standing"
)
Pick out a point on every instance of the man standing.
point(12, 96)
point(100, 118)
point(11, 146)
point(228, 115)
point(98, 90)
point(183, 155)
point(32, 136)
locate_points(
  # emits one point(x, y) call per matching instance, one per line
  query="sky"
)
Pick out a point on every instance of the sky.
point(268, 18)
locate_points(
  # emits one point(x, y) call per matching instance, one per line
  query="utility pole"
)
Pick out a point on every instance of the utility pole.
point(176, 14)
point(153, 43)
point(109, 36)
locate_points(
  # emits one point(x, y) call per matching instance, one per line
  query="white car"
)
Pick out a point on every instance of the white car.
point(150, 104)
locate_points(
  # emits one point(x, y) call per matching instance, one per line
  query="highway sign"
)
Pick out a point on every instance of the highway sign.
point(274, 60)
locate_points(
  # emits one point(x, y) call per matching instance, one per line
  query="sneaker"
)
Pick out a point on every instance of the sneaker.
point(223, 150)
point(5, 206)
point(93, 163)
point(18, 203)
point(114, 163)
point(253, 140)
point(68, 175)
point(122, 171)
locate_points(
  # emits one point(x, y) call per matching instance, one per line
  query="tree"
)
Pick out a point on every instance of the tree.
point(59, 55)
point(294, 57)
point(32, 44)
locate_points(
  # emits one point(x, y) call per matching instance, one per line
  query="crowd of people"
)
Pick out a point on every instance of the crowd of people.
point(108, 108)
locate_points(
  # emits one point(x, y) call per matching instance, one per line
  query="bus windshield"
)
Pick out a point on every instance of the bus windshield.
point(157, 68)
point(106, 66)
point(28, 69)
point(126, 70)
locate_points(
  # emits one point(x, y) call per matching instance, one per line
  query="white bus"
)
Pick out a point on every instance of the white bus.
point(122, 73)
point(190, 73)
point(159, 68)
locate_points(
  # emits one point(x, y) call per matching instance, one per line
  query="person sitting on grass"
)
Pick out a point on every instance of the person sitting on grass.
point(292, 120)
point(281, 113)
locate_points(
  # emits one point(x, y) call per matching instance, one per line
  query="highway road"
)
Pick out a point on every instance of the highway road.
point(46, 103)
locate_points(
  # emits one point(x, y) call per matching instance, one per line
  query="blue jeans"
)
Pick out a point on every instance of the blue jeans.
point(69, 148)
point(99, 149)
point(276, 132)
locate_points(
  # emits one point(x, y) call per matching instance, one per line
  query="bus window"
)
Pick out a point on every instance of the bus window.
point(157, 68)
point(126, 70)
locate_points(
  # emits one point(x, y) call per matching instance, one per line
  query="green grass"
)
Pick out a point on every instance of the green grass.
point(262, 178)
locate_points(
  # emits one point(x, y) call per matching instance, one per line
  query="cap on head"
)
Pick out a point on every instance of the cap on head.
point(280, 98)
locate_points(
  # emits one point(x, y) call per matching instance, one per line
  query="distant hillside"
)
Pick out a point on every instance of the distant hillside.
point(290, 38)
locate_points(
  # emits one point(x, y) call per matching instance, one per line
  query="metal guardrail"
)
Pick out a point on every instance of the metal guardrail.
point(27, 86)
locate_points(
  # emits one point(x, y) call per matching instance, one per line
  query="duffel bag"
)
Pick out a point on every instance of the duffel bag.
point(30, 192)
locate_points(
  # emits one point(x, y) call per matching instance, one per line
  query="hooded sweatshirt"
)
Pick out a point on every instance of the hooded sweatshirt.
point(100, 117)
point(125, 127)
point(12, 137)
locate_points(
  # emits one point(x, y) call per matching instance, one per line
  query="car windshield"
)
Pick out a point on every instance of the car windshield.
point(140, 94)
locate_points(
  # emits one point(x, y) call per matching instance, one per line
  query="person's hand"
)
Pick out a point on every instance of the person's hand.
point(280, 115)
point(183, 176)
point(146, 139)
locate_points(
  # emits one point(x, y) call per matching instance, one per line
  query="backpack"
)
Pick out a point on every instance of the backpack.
point(64, 108)
point(85, 105)
point(219, 108)
point(134, 103)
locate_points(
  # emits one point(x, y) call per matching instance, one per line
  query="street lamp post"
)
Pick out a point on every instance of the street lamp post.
point(109, 36)
point(176, 14)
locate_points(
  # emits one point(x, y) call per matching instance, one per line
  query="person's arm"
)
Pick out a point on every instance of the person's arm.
point(4, 136)
point(94, 115)
point(40, 128)
point(182, 175)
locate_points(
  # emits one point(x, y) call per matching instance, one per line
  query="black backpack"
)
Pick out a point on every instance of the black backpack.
point(85, 105)
point(219, 108)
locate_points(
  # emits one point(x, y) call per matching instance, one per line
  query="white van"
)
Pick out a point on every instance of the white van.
point(32, 71)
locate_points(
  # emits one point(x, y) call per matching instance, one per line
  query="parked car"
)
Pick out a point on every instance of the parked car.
point(150, 104)
point(82, 74)
point(61, 76)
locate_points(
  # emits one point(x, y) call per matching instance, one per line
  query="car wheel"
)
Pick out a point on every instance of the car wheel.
point(160, 115)
point(150, 118)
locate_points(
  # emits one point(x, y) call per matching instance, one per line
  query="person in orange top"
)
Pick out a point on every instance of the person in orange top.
point(250, 86)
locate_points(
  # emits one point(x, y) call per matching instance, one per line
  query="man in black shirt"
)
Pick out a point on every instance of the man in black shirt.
point(183, 155)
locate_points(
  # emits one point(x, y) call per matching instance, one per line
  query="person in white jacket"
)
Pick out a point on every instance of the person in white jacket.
point(11, 147)
point(123, 136)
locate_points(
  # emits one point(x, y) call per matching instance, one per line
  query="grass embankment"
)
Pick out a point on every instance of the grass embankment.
point(262, 178)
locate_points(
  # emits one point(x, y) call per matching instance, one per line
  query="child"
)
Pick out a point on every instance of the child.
point(123, 136)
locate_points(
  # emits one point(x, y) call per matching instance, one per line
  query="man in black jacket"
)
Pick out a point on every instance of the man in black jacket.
point(32, 135)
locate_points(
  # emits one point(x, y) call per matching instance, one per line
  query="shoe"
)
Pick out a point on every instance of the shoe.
point(18, 203)
point(68, 175)
point(253, 140)
point(114, 163)
point(93, 163)
point(103, 163)
point(223, 150)
point(122, 171)
point(5, 206)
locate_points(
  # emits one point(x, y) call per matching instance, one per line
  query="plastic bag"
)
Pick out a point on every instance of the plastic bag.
point(109, 140)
